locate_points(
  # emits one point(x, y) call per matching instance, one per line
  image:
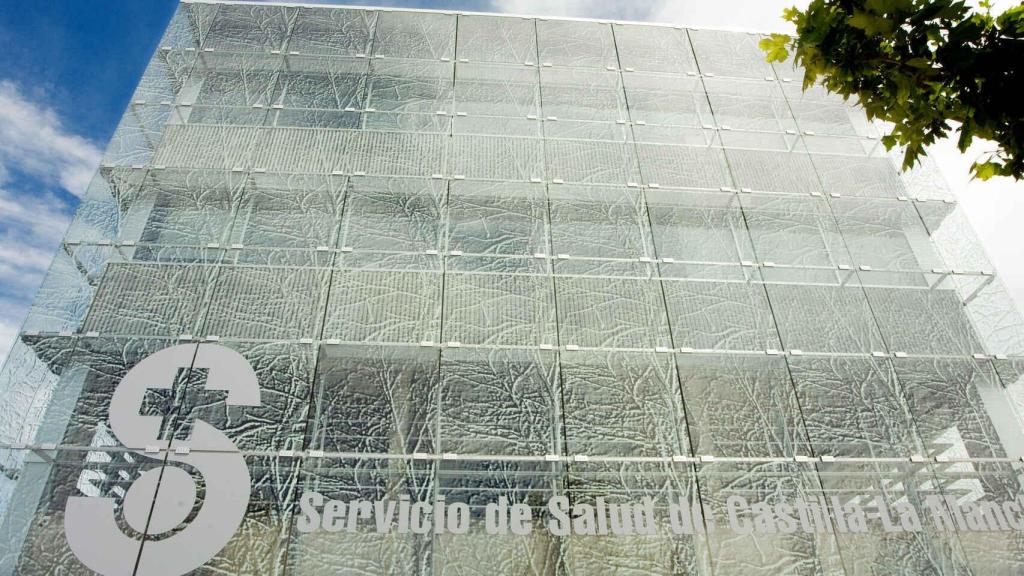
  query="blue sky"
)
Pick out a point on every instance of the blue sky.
point(68, 70)
point(70, 67)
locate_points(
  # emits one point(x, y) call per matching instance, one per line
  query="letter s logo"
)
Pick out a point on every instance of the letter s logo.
point(91, 527)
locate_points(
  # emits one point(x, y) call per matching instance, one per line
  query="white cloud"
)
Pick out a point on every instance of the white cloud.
point(754, 15)
point(38, 155)
point(610, 9)
point(33, 141)
point(8, 331)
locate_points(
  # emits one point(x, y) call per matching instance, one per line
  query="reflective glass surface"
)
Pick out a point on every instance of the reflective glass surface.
point(565, 273)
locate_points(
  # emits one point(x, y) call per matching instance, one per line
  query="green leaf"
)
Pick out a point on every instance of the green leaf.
point(985, 170)
point(871, 25)
point(775, 47)
point(920, 65)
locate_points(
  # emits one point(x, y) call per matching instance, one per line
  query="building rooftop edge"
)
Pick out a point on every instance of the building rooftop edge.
point(472, 13)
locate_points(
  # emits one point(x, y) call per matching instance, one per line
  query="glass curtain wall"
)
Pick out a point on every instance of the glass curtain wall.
point(476, 257)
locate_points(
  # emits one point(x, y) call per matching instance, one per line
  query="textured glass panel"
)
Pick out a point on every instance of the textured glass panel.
point(42, 492)
point(185, 207)
point(791, 230)
point(498, 402)
point(393, 214)
point(375, 399)
point(415, 35)
point(678, 135)
point(828, 115)
point(494, 39)
point(165, 77)
point(402, 122)
point(137, 136)
point(790, 172)
point(698, 227)
point(734, 54)
point(569, 43)
point(534, 553)
point(621, 404)
point(221, 115)
point(591, 162)
point(683, 166)
point(885, 234)
point(497, 218)
point(584, 130)
point(767, 484)
point(303, 150)
point(924, 181)
point(293, 211)
point(150, 299)
point(661, 551)
point(323, 83)
point(824, 318)
point(258, 546)
point(782, 143)
point(397, 153)
point(852, 176)
point(653, 49)
point(853, 407)
point(189, 26)
point(514, 307)
point(248, 28)
point(898, 491)
point(720, 315)
point(995, 317)
point(314, 118)
point(988, 497)
point(950, 400)
point(401, 86)
point(385, 303)
point(63, 299)
point(485, 482)
point(738, 405)
point(497, 157)
point(953, 237)
point(491, 90)
point(856, 148)
point(501, 126)
point(332, 31)
point(674, 100)
point(749, 104)
point(598, 222)
point(28, 385)
point(78, 411)
point(285, 375)
point(244, 80)
point(623, 309)
point(1011, 375)
point(100, 212)
point(268, 302)
point(582, 95)
point(923, 321)
point(197, 146)
point(363, 551)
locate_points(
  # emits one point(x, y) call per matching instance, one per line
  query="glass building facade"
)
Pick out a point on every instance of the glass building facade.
point(479, 259)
